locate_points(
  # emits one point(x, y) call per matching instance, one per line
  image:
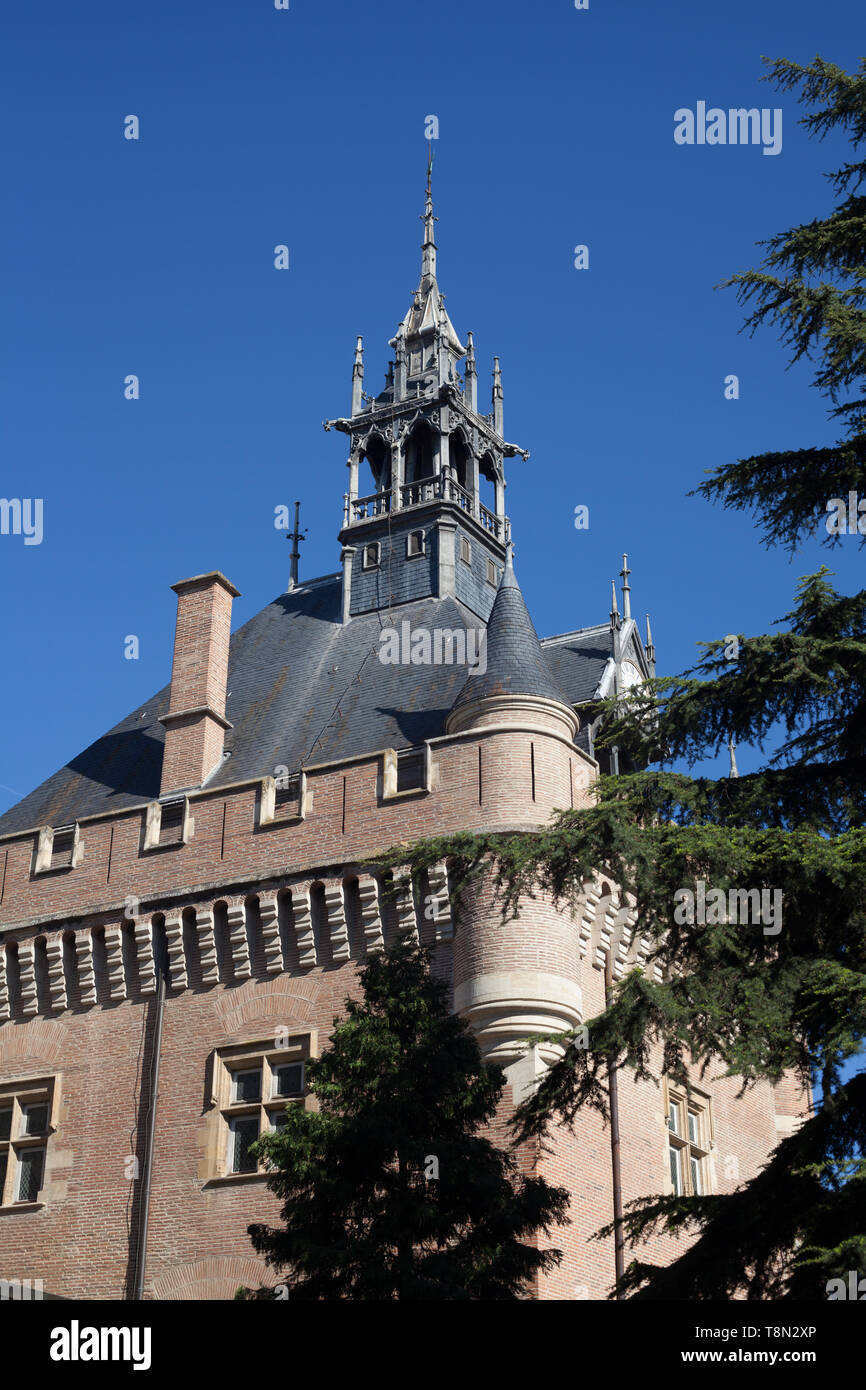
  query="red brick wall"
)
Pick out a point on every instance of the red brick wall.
point(78, 1242)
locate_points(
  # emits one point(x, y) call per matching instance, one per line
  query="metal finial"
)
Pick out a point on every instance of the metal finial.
point(297, 536)
point(626, 588)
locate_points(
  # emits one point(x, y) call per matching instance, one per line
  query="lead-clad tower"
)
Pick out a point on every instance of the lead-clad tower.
point(426, 470)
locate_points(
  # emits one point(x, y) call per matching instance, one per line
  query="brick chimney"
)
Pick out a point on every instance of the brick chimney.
point(195, 724)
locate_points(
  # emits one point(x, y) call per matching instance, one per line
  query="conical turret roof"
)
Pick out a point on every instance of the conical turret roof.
point(515, 660)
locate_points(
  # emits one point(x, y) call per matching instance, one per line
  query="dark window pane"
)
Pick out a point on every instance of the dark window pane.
point(248, 1085)
point(4, 1163)
point(279, 1119)
point(5, 1122)
point(244, 1133)
point(31, 1165)
point(289, 1079)
point(410, 770)
point(35, 1119)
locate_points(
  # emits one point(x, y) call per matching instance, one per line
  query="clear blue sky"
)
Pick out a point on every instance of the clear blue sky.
point(306, 127)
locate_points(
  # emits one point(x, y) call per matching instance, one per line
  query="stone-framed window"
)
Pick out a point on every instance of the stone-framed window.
point(253, 1086)
point(492, 574)
point(465, 550)
point(406, 771)
point(168, 823)
point(58, 847)
point(283, 798)
point(371, 556)
point(689, 1134)
point(26, 1122)
point(415, 545)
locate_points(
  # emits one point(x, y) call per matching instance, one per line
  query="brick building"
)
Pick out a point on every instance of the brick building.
point(217, 839)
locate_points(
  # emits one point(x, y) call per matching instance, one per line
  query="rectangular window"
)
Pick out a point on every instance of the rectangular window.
point(254, 1084)
point(171, 823)
point(243, 1131)
point(370, 556)
point(411, 769)
point(247, 1086)
point(35, 1119)
point(25, 1124)
point(288, 1080)
point(697, 1181)
point(287, 794)
point(492, 575)
point(465, 551)
point(62, 847)
point(676, 1171)
point(57, 847)
point(688, 1124)
point(414, 544)
point(31, 1168)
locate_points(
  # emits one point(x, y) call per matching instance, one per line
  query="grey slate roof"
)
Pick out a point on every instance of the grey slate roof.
point(578, 659)
point(515, 663)
point(303, 689)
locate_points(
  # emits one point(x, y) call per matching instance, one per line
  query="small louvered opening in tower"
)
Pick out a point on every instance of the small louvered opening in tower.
point(287, 797)
point(171, 823)
point(410, 769)
point(62, 847)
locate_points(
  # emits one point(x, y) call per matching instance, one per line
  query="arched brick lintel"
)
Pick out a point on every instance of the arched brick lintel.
point(215, 1278)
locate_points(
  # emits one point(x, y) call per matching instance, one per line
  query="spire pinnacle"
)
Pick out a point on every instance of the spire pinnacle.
point(497, 397)
point(296, 537)
point(626, 588)
point(358, 376)
point(614, 610)
point(731, 746)
point(428, 245)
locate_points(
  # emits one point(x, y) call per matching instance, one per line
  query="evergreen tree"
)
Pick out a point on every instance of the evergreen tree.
point(739, 999)
point(390, 1189)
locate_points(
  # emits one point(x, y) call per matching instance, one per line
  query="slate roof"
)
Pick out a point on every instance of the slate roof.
point(577, 660)
point(304, 689)
point(515, 663)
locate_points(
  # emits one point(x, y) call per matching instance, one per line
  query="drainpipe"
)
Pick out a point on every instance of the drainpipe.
point(148, 1160)
point(616, 1171)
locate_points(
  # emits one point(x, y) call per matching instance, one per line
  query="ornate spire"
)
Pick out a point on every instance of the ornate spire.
point(731, 746)
point(428, 245)
point(614, 610)
point(427, 329)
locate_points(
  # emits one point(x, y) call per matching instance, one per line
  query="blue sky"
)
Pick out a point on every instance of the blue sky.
point(306, 127)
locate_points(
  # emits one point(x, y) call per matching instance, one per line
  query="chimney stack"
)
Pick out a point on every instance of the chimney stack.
point(195, 724)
